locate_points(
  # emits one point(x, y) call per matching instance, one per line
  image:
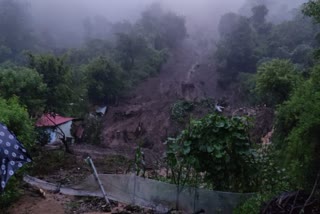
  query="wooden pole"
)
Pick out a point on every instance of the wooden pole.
point(98, 180)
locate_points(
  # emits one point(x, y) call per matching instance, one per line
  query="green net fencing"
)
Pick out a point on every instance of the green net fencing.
point(156, 195)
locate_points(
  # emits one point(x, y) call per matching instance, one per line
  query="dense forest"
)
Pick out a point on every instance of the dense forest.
point(266, 53)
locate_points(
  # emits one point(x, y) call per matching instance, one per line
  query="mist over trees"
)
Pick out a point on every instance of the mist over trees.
point(274, 59)
point(67, 76)
point(247, 41)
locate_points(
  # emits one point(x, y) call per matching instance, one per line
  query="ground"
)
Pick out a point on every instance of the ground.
point(143, 116)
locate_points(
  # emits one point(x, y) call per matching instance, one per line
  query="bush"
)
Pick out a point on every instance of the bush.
point(16, 118)
point(180, 109)
point(275, 81)
point(219, 147)
point(297, 131)
point(11, 193)
point(253, 205)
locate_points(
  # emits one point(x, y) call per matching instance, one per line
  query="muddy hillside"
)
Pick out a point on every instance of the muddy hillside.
point(143, 117)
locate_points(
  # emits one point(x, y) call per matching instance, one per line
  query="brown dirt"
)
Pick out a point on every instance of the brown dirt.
point(30, 204)
point(143, 116)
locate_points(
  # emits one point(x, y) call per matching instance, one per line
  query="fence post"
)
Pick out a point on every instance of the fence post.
point(98, 180)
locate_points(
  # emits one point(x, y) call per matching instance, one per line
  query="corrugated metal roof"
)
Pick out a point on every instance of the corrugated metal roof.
point(49, 120)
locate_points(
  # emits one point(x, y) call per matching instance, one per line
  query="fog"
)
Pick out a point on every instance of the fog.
point(63, 19)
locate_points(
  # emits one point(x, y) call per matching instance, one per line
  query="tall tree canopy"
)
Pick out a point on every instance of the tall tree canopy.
point(105, 81)
point(57, 76)
point(25, 83)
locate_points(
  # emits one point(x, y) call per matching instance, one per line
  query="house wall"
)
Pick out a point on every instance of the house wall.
point(66, 128)
point(55, 133)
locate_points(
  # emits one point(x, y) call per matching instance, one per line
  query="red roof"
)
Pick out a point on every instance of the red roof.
point(52, 120)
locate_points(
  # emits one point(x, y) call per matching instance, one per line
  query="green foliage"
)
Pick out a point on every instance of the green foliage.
point(89, 51)
point(93, 126)
point(312, 9)
point(258, 19)
point(57, 76)
point(25, 83)
point(271, 179)
point(137, 57)
point(297, 130)
point(235, 51)
point(139, 162)
point(285, 39)
point(247, 86)
point(11, 193)
point(253, 205)
point(180, 109)
point(246, 41)
point(219, 147)
point(105, 81)
point(49, 161)
point(16, 118)
point(130, 47)
point(275, 81)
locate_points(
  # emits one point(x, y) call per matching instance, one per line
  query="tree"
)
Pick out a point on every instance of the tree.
point(57, 76)
point(129, 47)
point(25, 83)
point(297, 131)
point(218, 147)
point(298, 31)
point(105, 81)
point(258, 20)
point(227, 24)
point(312, 9)
point(163, 29)
point(89, 51)
point(275, 81)
point(16, 118)
point(235, 51)
point(259, 14)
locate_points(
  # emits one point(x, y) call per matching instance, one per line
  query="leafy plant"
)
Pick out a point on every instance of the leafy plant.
point(11, 193)
point(105, 79)
point(25, 83)
point(180, 109)
point(57, 76)
point(275, 81)
point(218, 147)
point(140, 165)
point(16, 118)
point(297, 130)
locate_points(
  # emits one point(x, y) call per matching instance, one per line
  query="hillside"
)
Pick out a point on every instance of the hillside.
point(185, 76)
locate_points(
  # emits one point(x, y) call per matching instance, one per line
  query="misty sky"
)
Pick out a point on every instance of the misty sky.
point(116, 10)
point(65, 17)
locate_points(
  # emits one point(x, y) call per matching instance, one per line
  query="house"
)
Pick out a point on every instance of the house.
point(56, 127)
